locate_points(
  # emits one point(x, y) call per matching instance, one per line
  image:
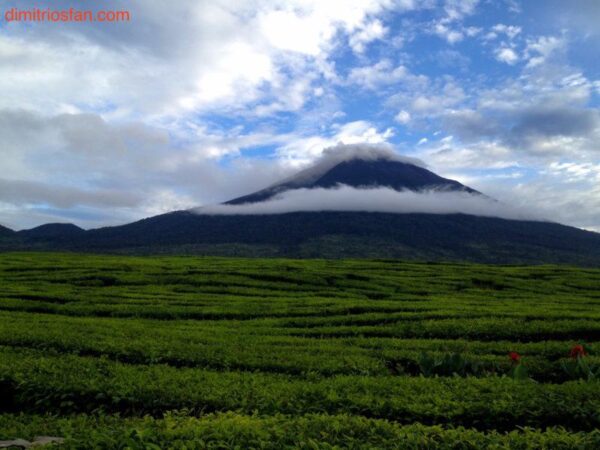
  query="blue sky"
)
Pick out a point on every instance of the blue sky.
point(193, 103)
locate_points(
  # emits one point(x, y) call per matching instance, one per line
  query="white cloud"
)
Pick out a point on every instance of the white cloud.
point(459, 9)
point(167, 200)
point(377, 75)
point(511, 31)
point(538, 51)
point(472, 31)
point(303, 150)
point(345, 198)
point(431, 100)
point(182, 56)
point(332, 156)
point(576, 204)
point(85, 169)
point(449, 26)
point(402, 117)
point(446, 32)
point(507, 55)
point(572, 172)
point(371, 31)
point(539, 134)
point(446, 156)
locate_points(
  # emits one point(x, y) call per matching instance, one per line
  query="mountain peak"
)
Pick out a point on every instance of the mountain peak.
point(343, 153)
point(360, 166)
point(332, 156)
point(5, 231)
point(52, 230)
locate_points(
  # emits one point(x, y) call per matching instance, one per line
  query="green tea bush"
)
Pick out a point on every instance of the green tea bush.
point(268, 353)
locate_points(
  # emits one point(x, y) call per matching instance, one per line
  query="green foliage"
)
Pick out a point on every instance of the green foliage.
point(68, 384)
point(448, 364)
point(310, 431)
point(296, 354)
point(580, 369)
point(519, 372)
point(579, 365)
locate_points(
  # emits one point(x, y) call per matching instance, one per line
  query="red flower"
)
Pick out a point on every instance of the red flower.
point(514, 357)
point(577, 351)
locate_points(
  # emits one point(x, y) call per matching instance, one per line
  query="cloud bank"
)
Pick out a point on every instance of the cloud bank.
point(387, 200)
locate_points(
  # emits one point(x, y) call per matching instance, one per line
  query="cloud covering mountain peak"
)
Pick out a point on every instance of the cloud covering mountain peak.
point(340, 153)
point(367, 178)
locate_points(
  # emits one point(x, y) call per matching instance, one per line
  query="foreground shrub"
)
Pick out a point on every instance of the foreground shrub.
point(311, 431)
point(448, 364)
point(578, 367)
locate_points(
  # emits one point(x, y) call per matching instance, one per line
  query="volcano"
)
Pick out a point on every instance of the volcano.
point(338, 232)
point(364, 170)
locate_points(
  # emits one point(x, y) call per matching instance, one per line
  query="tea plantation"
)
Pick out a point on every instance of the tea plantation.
point(185, 352)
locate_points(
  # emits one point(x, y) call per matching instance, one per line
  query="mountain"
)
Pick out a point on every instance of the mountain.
point(432, 237)
point(51, 231)
point(5, 232)
point(360, 173)
point(333, 234)
point(50, 236)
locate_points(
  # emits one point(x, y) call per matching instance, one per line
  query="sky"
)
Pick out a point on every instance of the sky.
point(192, 103)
